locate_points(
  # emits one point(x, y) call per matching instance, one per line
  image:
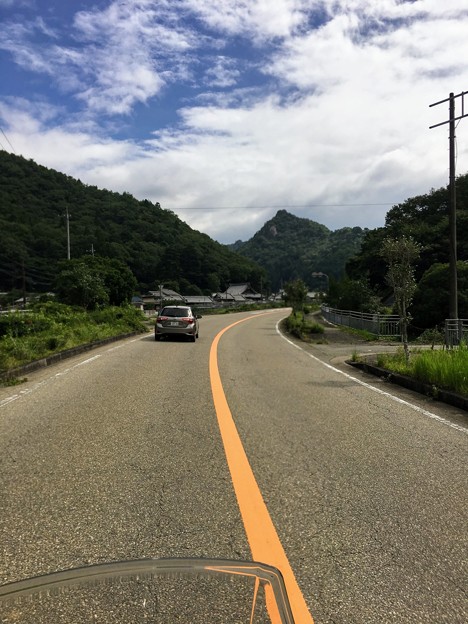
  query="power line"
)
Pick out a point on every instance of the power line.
point(1, 129)
point(285, 206)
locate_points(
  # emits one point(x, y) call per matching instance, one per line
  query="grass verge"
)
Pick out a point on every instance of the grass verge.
point(362, 333)
point(49, 328)
point(447, 369)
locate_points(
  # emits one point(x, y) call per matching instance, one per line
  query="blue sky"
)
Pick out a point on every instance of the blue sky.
point(225, 111)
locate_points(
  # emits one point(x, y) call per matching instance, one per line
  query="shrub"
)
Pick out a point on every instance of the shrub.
point(294, 324)
point(54, 343)
point(127, 316)
point(433, 336)
point(19, 324)
point(297, 325)
point(312, 328)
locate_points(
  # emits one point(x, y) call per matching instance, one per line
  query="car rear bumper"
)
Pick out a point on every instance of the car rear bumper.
point(175, 331)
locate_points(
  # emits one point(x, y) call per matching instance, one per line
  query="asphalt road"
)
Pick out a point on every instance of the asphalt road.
point(117, 454)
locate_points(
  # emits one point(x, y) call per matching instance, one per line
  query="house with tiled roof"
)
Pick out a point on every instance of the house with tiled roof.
point(226, 297)
point(199, 301)
point(244, 290)
point(158, 297)
point(237, 294)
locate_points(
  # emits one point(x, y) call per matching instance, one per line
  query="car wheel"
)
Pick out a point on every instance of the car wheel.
point(157, 337)
point(193, 338)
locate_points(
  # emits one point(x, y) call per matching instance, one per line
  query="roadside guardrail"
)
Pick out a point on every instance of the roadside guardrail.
point(456, 331)
point(385, 325)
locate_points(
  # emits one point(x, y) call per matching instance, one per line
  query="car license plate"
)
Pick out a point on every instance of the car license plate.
point(174, 324)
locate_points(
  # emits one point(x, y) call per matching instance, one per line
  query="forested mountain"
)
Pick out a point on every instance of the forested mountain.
point(290, 247)
point(159, 248)
point(154, 243)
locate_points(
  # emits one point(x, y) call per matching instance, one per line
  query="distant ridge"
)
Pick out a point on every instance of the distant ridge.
point(290, 247)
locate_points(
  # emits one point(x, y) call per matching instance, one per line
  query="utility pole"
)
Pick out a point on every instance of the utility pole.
point(23, 282)
point(452, 201)
point(67, 216)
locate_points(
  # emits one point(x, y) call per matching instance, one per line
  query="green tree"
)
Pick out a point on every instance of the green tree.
point(77, 284)
point(353, 294)
point(401, 255)
point(425, 219)
point(93, 281)
point(431, 299)
point(213, 283)
point(368, 265)
point(119, 281)
point(296, 293)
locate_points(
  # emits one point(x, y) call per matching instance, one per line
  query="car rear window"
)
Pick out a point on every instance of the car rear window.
point(175, 312)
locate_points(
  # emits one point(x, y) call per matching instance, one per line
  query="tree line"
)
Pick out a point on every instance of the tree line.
point(424, 220)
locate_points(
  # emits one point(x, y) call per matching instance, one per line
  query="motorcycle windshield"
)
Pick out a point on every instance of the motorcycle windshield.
point(160, 591)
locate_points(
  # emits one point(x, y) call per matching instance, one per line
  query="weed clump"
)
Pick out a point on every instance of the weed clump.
point(440, 368)
point(298, 325)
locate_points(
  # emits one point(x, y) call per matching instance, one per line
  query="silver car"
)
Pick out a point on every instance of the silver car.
point(176, 320)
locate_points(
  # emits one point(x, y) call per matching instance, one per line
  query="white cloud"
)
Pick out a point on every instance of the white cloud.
point(6, 4)
point(123, 55)
point(337, 54)
point(342, 122)
point(72, 152)
point(223, 73)
point(258, 18)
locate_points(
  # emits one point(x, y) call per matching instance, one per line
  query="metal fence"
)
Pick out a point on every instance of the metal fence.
point(456, 331)
point(377, 324)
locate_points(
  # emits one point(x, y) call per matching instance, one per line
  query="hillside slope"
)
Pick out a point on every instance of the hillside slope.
point(155, 244)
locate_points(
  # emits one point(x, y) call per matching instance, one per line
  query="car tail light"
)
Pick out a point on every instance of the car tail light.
point(188, 319)
point(162, 318)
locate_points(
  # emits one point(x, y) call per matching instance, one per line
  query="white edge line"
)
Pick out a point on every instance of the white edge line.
point(88, 361)
point(444, 421)
point(22, 393)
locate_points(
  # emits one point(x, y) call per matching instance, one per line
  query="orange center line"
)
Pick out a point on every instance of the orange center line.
point(261, 533)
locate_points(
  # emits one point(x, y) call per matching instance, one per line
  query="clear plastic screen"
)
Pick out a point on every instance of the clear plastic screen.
point(156, 591)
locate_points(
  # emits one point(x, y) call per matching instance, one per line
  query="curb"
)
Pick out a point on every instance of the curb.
point(438, 394)
point(61, 355)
